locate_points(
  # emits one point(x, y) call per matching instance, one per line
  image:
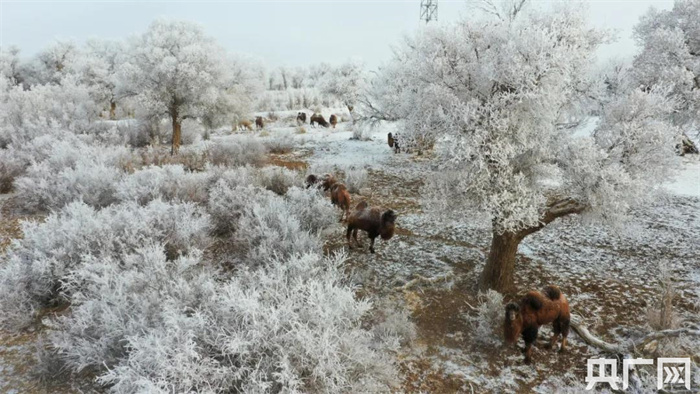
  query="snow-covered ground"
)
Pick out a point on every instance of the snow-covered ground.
point(687, 183)
point(601, 269)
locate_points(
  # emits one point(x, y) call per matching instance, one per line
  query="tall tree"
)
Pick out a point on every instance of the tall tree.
point(98, 67)
point(176, 70)
point(670, 56)
point(494, 96)
point(53, 63)
point(346, 82)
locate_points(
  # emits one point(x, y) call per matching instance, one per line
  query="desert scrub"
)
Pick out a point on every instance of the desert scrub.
point(37, 264)
point(355, 179)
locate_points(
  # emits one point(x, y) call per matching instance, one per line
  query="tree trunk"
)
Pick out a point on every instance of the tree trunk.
point(112, 110)
point(500, 264)
point(350, 109)
point(177, 134)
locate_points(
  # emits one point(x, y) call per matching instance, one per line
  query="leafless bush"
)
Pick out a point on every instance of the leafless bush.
point(488, 322)
point(278, 179)
point(660, 314)
point(355, 179)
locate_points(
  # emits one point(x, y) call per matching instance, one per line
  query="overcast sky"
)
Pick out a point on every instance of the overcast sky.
point(280, 32)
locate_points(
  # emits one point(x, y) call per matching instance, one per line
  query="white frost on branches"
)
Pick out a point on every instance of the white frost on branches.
point(494, 97)
point(670, 56)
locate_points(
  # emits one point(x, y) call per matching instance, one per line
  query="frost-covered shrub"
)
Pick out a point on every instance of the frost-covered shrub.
point(192, 132)
point(267, 228)
point(488, 322)
point(237, 176)
point(28, 114)
point(115, 298)
point(391, 321)
point(169, 183)
point(262, 225)
point(193, 158)
point(362, 131)
point(238, 152)
point(313, 210)
point(287, 347)
point(280, 144)
point(67, 170)
point(132, 132)
point(10, 167)
point(227, 202)
point(355, 179)
point(42, 189)
point(150, 324)
point(37, 263)
point(278, 179)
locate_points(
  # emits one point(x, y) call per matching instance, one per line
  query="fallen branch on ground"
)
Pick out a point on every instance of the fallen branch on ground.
point(630, 347)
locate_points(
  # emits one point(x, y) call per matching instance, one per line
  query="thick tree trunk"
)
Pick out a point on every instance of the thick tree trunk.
point(112, 110)
point(500, 264)
point(177, 134)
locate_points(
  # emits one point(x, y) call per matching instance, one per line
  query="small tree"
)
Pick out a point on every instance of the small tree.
point(52, 64)
point(345, 82)
point(10, 66)
point(176, 70)
point(495, 95)
point(97, 68)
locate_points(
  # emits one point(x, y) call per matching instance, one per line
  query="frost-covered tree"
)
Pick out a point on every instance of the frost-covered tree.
point(245, 82)
point(10, 66)
point(346, 82)
point(298, 76)
point(178, 71)
point(316, 74)
point(494, 95)
point(98, 67)
point(53, 63)
point(670, 56)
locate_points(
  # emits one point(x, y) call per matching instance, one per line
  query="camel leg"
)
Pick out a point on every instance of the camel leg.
point(529, 336)
point(371, 245)
point(347, 236)
point(354, 235)
point(564, 333)
point(553, 341)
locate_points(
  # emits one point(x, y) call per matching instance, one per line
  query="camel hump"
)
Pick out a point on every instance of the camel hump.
point(552, 292)
point(362, 205)
point(534, 300)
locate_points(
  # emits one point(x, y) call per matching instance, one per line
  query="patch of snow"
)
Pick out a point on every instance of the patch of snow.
point(687, 183)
